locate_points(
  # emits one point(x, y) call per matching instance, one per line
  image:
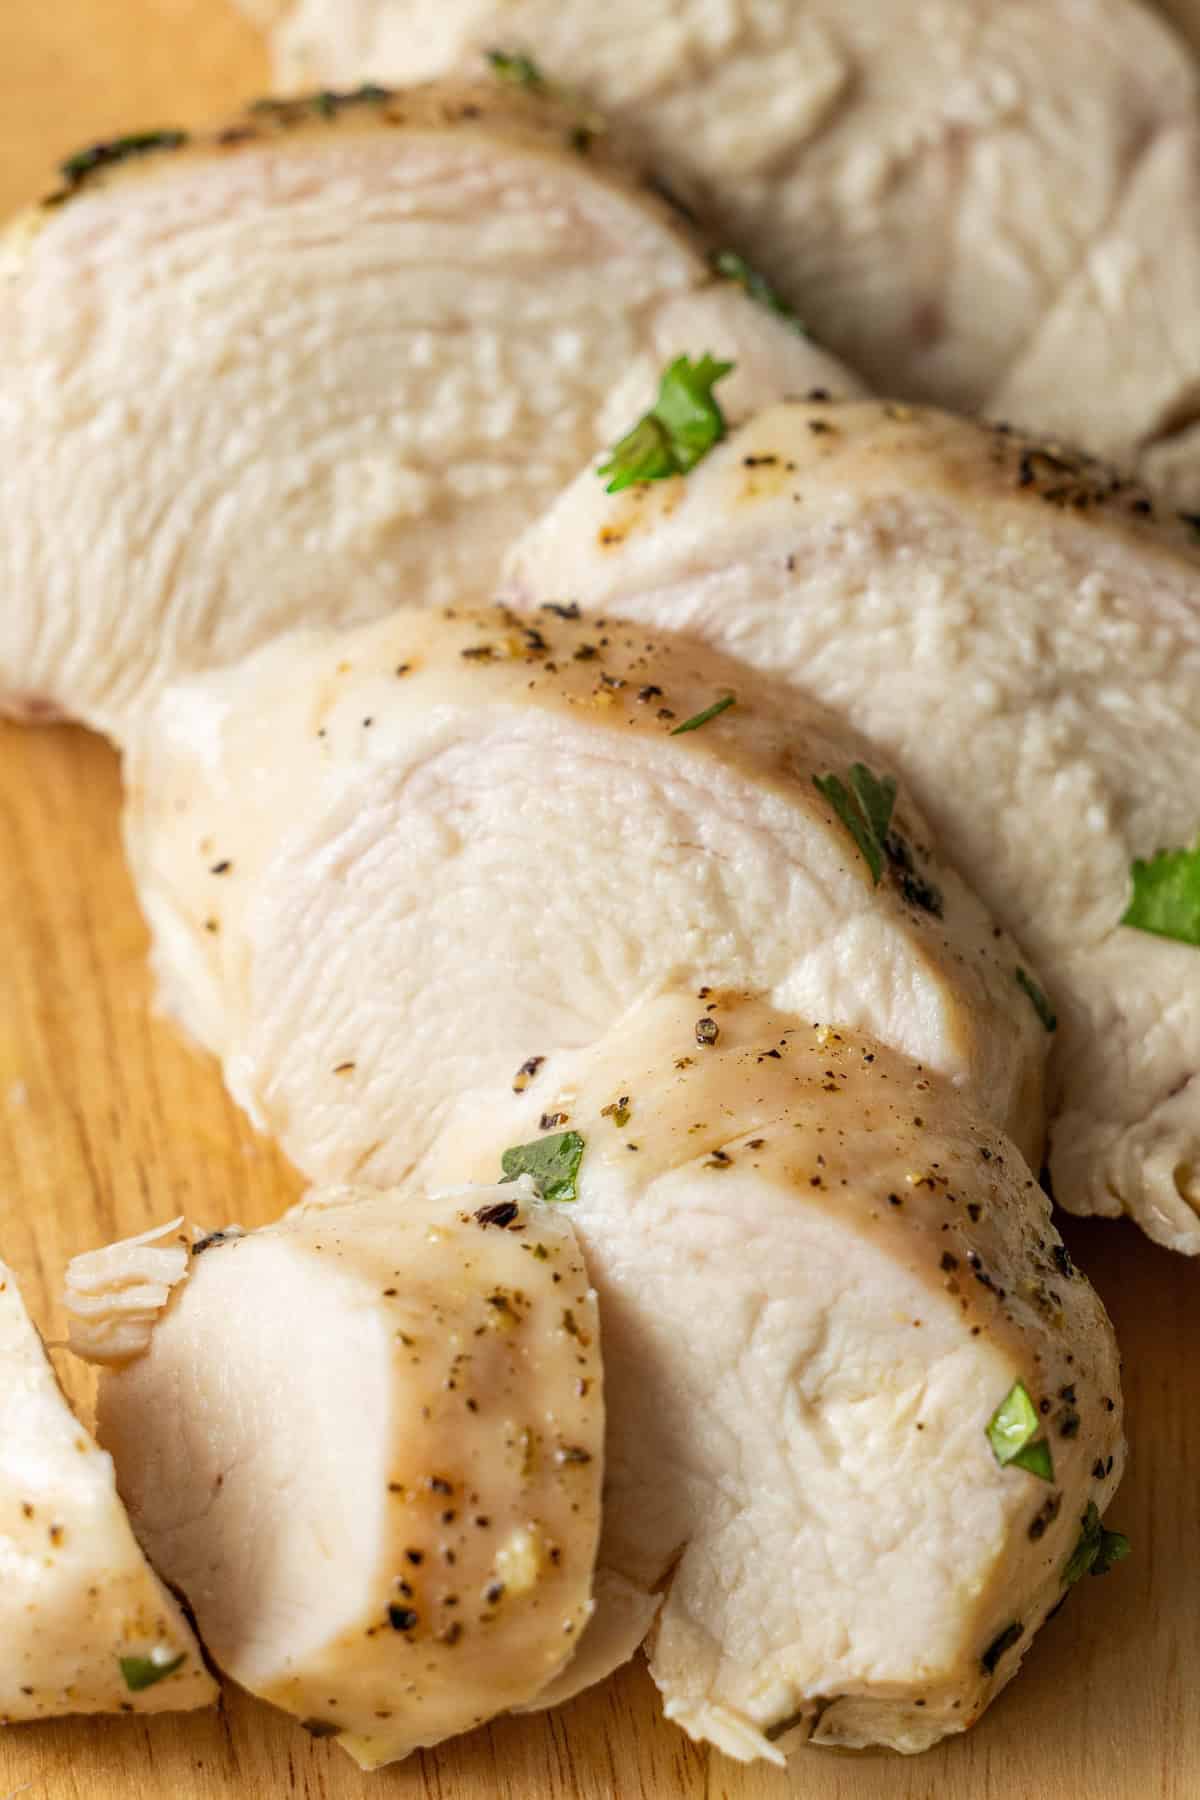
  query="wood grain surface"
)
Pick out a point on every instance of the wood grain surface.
point(109, 1124)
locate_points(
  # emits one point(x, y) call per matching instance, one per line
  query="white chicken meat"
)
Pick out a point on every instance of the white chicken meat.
point(1019, 631)
point(988, 204)
point(387, 869)
point(820, 1277)
point(319, 363)
point(367, 1444)
point(86, 1626)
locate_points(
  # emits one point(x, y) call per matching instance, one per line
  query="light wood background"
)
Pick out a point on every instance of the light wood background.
point(109, 1124)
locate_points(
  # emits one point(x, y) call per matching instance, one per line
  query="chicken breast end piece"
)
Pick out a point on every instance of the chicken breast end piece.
point(367, 1444)
point(85, 1623)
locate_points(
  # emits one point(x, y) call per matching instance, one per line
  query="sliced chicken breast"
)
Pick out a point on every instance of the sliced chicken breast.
point(821, 1279)
point(1019, 632)
point(324, 361)
point(386, 869)
point(86, 1626)
point(983, 203)
point(1115, 362)
point(367, 1444)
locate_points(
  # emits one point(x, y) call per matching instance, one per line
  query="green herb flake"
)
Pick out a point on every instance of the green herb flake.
point(680, 429)
point(76, 169)
point(1038, 999)
point(552, 1161)
point(518, 69)
point(141, 1672)
point(865, 809)
point(1166, 896)
point(1036, 1460)
point(1011, 1432)
point(1097, 1549)
point(702, 718)
point(734, 267)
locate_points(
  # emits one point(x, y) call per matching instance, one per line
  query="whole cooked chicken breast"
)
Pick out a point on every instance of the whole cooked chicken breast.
point(367, 1444)
point(86, 1626)
point(984, 203)
point(321, 362)
point(384, 869)
point(1019, 631)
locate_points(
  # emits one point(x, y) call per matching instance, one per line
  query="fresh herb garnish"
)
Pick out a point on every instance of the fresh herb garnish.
point(702, 718)
point(76, 169)
point(1041, 1004)
point(733, 265)
point(1166, 896)
point(518, 69)
point(552, 1161)
point(141, 1672)
point(1011, 1431)
point(1003, 1641)
point(679, 430)
point(865, 809)
point(1097, 1549)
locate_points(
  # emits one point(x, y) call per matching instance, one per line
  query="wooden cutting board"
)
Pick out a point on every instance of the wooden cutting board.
point(109, 1124)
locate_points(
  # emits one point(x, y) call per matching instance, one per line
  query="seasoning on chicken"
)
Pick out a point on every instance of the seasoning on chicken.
point(85, 1624)
point(1018, 630)
point(367, 1444)
point(860, 1400)
point(987, 204)
point(324, 361)
point(452, 844)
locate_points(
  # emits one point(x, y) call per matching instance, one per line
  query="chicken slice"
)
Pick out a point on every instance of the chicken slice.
point(945, 190)
point(86, 1625)
point(367, 1444)
point(326, 360)
point(1115, 363)
point(820, 1277)
point(1019, 632)
point(384, 869)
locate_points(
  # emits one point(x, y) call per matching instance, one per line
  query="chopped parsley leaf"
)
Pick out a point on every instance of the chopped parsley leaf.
point(1011, 1431)
point(702, 718)
point(1036, 1460)
point(679, 430)
point(865, 809)
point(141, 1672)
point(1097, 1549)
point(733, 265)
point(1041, 1004)
point(1166, 896)
point(515, 67)
point(552, 1161)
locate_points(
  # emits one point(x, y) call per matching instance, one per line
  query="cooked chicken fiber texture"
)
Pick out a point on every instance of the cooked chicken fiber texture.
point(320, 363)
point(390, 1410)
point(820, 1277)
point(384, 869)
point(85, 1624)
point(1019, 632)
point(988, 204)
